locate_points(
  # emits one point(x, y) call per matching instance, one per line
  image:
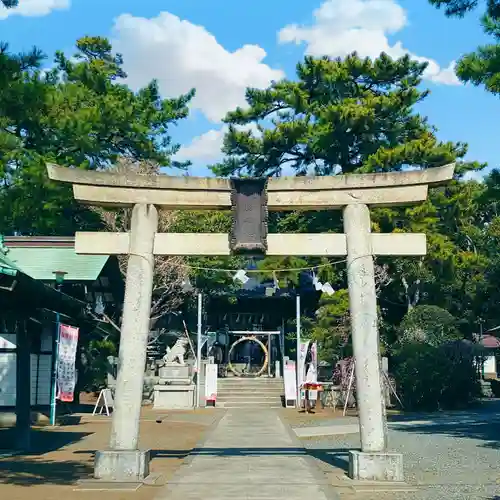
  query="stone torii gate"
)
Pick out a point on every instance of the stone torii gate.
point(250, 200)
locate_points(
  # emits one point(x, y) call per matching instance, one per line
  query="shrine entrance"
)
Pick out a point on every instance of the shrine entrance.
point(234, 318)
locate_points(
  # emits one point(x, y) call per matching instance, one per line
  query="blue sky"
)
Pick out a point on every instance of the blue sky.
point(222, 47)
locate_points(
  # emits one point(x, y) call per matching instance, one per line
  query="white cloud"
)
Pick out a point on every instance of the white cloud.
point(447, 75)
point(207, 147)
point(476, 175)
point(33, 8)
point(343, 26)
point(203, 148)
point(182, 55)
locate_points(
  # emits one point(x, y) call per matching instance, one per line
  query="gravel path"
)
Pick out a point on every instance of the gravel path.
point(453, 456)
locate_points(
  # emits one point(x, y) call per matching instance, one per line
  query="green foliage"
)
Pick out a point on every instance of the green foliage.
point(77, 114)
point(495, 388)
point(436, 378)
point(330, 327)
point(207, 272)
point(289, 276)
point(428, 324)
point(461, 7)
point(95, 364)
point(340, 116)
point(481, 67)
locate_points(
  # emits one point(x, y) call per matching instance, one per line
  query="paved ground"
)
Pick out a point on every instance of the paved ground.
point(446, 456)
point(250, 454)
point(63, 455)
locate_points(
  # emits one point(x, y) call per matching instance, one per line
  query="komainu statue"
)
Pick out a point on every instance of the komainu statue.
point(175, 354)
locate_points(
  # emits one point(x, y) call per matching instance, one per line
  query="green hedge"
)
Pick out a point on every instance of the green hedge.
point(436, 377)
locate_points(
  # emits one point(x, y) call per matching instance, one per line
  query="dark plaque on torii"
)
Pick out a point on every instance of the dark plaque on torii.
point(249, 211)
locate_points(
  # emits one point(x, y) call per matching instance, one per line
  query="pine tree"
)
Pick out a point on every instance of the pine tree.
point(10, 3)
point(79, 114)
point(481, 67)
point(339, 116)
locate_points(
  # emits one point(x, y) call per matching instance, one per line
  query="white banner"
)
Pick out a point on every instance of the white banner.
point(290, 381)
point(66, 372)
point(304, 346)
point(211, 382)
point(314, 355)
point(314, 351)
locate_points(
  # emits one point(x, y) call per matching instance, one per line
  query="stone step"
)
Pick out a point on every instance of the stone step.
point(248, 384)
point(274, 390)
point(225, 395)
point(249, 395)
point(237, 397)
point(249, 404)
point(232, 387)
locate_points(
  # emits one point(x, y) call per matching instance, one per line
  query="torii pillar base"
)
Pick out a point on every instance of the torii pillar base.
point(122, 465)
point(372, 466)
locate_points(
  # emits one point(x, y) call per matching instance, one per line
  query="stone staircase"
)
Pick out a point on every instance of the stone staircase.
point(239, 392)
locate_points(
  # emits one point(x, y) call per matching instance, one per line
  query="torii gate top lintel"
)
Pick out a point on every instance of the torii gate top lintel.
point(328, 192)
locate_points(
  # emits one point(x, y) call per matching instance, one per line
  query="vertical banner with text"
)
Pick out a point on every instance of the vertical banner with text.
point(312, 370)
point(66, 370)
point(301, 368)
point(314, 355)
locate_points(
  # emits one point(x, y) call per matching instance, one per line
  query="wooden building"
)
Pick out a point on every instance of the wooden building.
point(30, 304)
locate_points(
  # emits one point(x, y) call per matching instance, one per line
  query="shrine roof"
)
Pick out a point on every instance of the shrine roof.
point(256, 289)
point(19, 290)
point(39, 257)
point(6, 264)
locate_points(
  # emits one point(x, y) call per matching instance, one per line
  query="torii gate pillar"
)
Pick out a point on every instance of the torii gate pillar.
point(124, 460)
point(373, 462)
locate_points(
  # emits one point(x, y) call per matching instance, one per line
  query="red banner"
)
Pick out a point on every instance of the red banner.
point(66, 371)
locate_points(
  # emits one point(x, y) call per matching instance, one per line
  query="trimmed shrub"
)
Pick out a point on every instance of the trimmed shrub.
point(432, 377)
point(428, 324)
point(495, 387)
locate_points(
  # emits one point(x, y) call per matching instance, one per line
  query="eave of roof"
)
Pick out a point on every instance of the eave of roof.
point(28, 290)
point(40, 256)
point(6, 265)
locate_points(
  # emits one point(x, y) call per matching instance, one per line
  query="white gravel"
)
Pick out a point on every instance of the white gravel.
point(446, 457)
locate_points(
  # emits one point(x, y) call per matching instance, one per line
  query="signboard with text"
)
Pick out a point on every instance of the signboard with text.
point(290, 381)
point(210, 382)
point(66, 370)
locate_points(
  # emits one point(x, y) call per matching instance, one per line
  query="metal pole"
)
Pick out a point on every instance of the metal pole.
point(198, 352)
point(53, 392)
point(282, 346)
point(297, 313)
point(271, 360)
